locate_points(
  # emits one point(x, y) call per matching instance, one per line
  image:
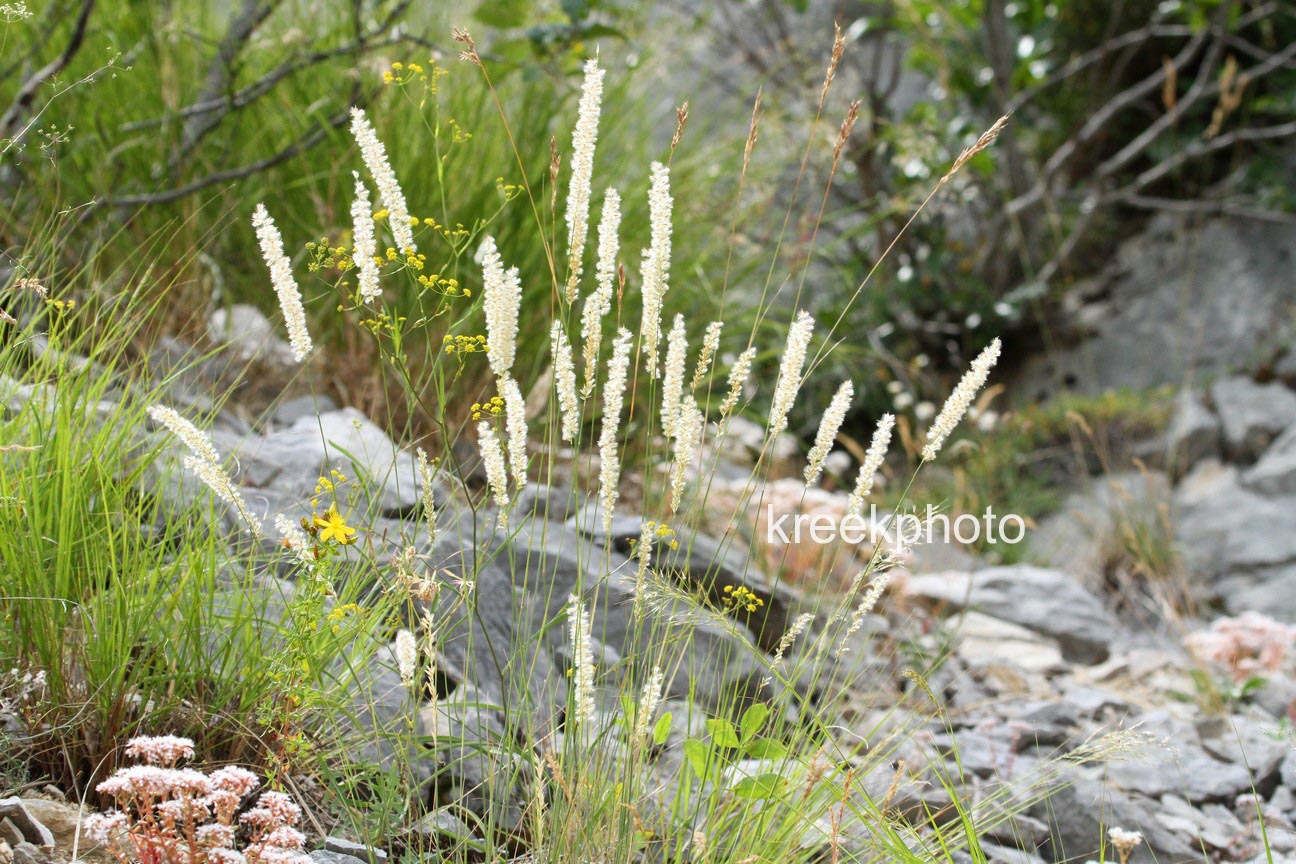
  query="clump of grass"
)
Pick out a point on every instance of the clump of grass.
point(125, 609)
point(597, 788)
point(572, 768)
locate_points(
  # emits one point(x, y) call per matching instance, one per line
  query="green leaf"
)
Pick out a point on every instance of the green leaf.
point(766, 748)
point(723, 733)
point(768, 785)
point(576, 10)
point(661, 729)
point(503, 14)
point(697, 754)
point(603, 31)
point(518, 52)
point(753, 719)
point(1251, 685)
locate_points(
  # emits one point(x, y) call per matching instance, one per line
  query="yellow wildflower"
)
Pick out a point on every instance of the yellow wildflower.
point(332, 526)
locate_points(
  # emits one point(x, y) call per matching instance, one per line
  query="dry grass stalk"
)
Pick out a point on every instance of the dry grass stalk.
point(987, 138)
point(681, 118)
point(839, 47)
point(751, 131)
point(470, 51)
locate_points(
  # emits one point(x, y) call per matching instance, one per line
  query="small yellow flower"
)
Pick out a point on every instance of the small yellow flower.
point(332, 526)
point(741, 597)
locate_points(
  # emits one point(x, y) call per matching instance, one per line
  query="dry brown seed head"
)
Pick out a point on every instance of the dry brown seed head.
point(987, 138)
point(839, 46)
point(751, 131)
point(681, 117)
point(852, 114)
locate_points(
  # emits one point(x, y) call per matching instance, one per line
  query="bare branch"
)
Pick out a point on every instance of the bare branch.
point(1203, 148)
point(1098, 121)
point(1209, 208)
point(1204, 86)
point(221, 71)
point(299, 146)
point(22, 101)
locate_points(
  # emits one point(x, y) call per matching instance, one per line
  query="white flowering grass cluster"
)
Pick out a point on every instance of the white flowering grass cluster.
point(633, 372)
point(683, 415)
point(167, 814)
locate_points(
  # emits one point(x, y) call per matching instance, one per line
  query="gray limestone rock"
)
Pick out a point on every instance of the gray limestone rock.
point(1046, 601)
point(1252, 415)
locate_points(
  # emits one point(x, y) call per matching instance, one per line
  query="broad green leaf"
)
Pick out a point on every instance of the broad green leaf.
point(768, 785)
point(697, 754)
point(766, 748)
point(753, 719)
point(661, 729)
point(723, 733)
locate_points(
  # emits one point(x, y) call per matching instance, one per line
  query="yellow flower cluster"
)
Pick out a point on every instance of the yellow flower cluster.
point(324, 256)
point(401, 74)
point(492, 407)
point(453, 236)
point(446, 285)
point(662, 535)
point(464, 344)
point(413, 259)
point(383, 322)
point(508, 190)
point(741, 597)
point(458, 134)
point(340, 613)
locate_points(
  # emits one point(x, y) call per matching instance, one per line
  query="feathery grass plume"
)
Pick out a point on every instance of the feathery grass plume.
point(710, 345)
point(578, 625)
point(599, 302)
point(374, 155)
point(688, 435)
point(406, 656)
point(199, 443)
point(215, 478)
point(565, 381)
point(789, 377)
point(872, 464)
point(365, 241)
point(643, 554)
point(613, 397)
point(828, 428)
point(737, 380)
point(649, 699)
point(673, 382)
point(584, 139)
point(662, 596)
point(961, 399)
point(496, 472)
point(516, 426)
point(430, 670)
point(296, 540)
point(656, 264)
point(987, 138)
point(502, 291)
point(285, 286)
point(204, 462)
point(787, 639)
point(427, 492)
point(866, 604)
